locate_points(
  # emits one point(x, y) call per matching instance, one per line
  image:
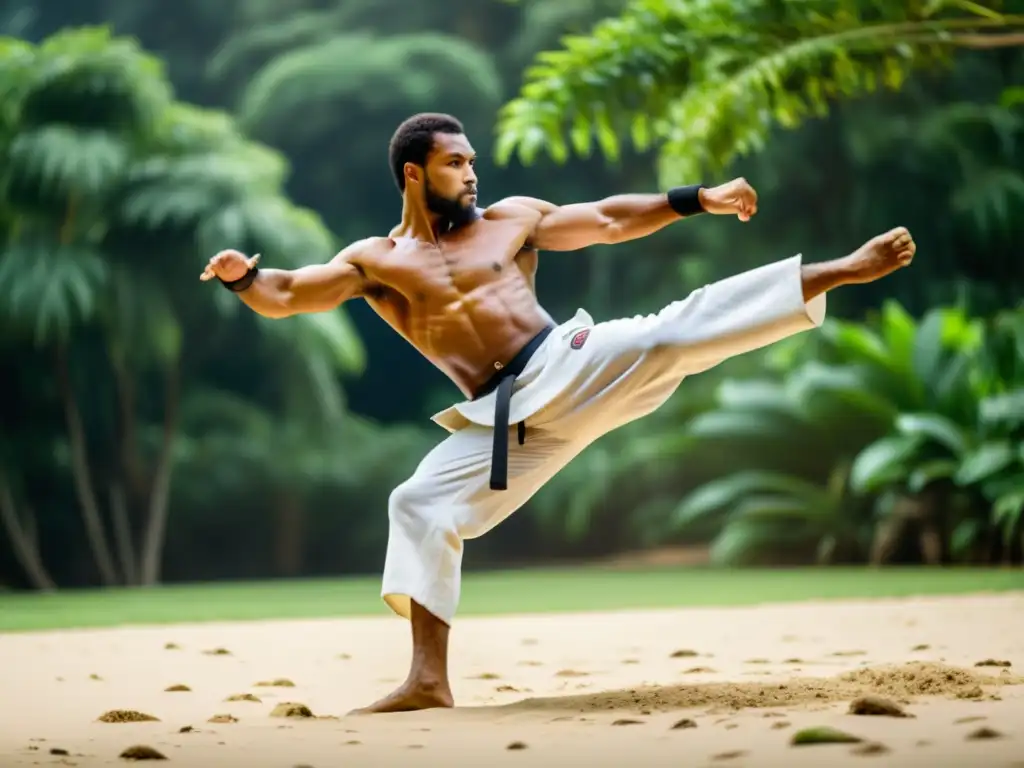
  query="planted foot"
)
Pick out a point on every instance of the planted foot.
point(880, 256)
point(412, 696)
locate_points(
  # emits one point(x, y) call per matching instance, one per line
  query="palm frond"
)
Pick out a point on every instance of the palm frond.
point(46, 290)
point(56, 163)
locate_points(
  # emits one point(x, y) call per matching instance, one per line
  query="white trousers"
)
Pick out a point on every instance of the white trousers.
point(569, 395)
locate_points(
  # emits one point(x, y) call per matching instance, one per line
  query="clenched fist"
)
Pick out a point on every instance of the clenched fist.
point(733, 197)
point(229, 266)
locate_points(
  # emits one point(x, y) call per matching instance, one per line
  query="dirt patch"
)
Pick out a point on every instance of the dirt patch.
point(914, 679)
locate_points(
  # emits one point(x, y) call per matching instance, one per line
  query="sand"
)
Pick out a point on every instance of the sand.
point(609, 689)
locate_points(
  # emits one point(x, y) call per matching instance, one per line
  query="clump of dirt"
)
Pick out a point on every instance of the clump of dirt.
point(870, 748)
point(823, 735)
point(683, 654)
point(992, 663)
point(921, 647)
point(94, 676)
point(779, 725)
point(683, 724)
point(516, 745)
point(983, 734)
point(177, 689)
point(757, 661)
point(127, 716)
point(733, 755)
point(896, 682)
point(58, 751)
point(486, 676)
point(571, 673)
point(627, 721)
point(243, 697)
point(186, 729)
point(291, 709)
point(172, 647)
point(280, 682)
point(877, 705)
point(217, 652)
point(141, 752)
point(697, 670)
point(222, 719)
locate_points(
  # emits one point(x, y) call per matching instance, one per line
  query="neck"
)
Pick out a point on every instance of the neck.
point(418, 222)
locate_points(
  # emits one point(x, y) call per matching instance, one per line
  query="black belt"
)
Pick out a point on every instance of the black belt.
point(502, 381)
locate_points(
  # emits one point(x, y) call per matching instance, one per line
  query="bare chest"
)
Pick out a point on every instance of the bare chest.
point(480, 256)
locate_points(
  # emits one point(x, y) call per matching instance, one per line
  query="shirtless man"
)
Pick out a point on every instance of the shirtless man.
point(457, 282)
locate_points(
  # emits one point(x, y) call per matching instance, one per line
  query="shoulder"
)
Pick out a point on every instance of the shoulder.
point(363, 250)
point(520, 207)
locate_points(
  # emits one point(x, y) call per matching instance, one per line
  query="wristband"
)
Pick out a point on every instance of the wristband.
point(239, 285)
point(686, 200)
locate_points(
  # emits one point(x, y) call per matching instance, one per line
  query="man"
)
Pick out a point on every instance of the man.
point(457, 282)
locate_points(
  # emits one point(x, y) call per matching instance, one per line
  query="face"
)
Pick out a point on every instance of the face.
point(449, 179)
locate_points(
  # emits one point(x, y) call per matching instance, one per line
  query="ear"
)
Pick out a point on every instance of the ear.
point(413, 173)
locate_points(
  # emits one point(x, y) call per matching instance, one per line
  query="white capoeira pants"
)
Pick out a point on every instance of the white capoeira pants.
point(570, 394)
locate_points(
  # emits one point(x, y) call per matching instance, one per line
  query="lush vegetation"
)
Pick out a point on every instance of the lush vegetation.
point(151, 430)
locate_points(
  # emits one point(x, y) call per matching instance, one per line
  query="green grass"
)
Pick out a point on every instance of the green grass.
point(526, 591)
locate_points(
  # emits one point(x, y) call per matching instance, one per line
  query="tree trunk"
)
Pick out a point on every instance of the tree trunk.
point(291, 530)
point(123, 533)
point(25, 545)
point(82, 476)
point(159, 498)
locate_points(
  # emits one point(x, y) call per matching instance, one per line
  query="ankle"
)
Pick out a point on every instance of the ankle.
point(822, 277)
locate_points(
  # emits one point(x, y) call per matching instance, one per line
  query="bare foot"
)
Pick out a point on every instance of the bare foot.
point(410, 697)
point(881, 255)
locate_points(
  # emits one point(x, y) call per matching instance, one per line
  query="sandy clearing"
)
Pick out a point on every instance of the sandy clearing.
point(557, 683)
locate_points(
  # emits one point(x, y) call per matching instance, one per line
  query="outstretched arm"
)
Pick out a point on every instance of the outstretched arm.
point(620, 218)
point(278, 293)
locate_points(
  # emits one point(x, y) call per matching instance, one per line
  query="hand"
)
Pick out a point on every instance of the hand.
point(229, 266)
point(733, 197)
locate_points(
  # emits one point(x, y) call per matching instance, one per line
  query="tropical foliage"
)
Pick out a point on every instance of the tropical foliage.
point(874, 432)
point(151, 428)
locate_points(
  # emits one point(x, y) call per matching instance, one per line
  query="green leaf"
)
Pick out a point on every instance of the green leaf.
point(775, 508)
point(47, 291)
point(986, 460)
point(883, 462)
point(729, 490)
point(735, 424)
point(931, 471)
point(935, 427)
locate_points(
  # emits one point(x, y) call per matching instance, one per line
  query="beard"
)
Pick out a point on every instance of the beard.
point(453, 213)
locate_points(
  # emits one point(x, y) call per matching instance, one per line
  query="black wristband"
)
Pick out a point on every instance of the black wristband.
point(686, 200)
point(243, 282)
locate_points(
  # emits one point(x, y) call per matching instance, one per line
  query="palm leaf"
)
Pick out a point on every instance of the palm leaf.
point(985, 461)
point(936, 427)
point(712, 497)
point(48, 290)
point(882, 462)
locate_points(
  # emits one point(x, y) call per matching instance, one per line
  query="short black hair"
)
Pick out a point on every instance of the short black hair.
point(414, 139)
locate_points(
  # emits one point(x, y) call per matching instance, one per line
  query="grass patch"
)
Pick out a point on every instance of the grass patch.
point(523, 591)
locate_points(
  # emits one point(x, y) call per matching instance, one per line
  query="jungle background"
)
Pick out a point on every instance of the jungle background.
point(153, 430)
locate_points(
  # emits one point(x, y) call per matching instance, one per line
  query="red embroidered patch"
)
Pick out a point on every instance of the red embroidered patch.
point(579, 339)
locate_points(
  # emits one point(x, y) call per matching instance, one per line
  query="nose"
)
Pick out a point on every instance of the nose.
point(470, 178)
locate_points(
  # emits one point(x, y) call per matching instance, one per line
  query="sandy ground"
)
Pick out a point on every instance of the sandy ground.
point(576, 690)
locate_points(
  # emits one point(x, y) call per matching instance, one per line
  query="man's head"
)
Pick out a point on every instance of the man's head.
point(430, 154)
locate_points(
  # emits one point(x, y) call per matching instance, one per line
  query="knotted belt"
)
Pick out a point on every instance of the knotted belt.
point(502, 381)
